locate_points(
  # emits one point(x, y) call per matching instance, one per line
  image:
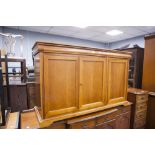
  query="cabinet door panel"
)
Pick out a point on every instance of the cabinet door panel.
point(92, 82)
point(117, 80)
point(61, 84)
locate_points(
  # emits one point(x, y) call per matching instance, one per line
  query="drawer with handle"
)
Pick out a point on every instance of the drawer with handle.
point(107, 125)
point(142, 98)
point(141, 107)
point(88, 124)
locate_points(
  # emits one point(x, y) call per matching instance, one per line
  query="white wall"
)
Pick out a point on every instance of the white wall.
point(137, 40)
point(31, 37)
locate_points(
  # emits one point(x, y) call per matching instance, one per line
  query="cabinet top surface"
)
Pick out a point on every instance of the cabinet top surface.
point(47, 47)
point(137, 91)
point(150, 36)
point(152, 93)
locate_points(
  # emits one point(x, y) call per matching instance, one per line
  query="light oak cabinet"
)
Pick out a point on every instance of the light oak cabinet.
point(75, 80)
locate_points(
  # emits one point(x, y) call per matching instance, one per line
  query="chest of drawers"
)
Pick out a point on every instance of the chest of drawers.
point(139, 98)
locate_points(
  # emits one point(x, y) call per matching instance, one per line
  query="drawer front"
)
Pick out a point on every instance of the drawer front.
point(100, 120)
point(110, 116)
point(139, 123)
point(89, 124)
point(141, 98)
point(141, 107)
point(140, 115)
point(107, 125)
point(57, 126)
point(124, 109)
point(141, 103)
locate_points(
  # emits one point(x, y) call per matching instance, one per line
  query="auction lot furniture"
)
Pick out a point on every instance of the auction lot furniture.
point(114, 118)
point(135, 66)
point(151, 111)
point(149, 77)
point(139, 98)
point(72, 81)
point(78, 87)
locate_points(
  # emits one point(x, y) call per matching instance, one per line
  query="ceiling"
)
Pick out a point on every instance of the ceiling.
point(93, 33)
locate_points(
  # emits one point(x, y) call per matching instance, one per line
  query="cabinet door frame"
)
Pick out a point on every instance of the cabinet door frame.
point(104, 76)
point(48, 57)
point(124, 97)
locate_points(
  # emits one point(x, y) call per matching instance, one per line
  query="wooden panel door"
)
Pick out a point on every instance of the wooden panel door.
point(61, 84)
point(117, 80)
point(92, 82)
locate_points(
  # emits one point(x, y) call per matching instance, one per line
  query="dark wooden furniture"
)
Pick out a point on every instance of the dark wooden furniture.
point(149, 64)
point(135, 66)
point(31, 101)
point(151, 111)
point(115, 118)
point(2, 106)
point(76, 81)
point(139, 98)
point(18, 97)
point(149, 77)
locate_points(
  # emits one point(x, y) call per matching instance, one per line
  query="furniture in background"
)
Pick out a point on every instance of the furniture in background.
point(4, 110)
point(30, 86)
point(11, 71)
point(30, 74)
point(151, 111)
point(135, 65)
point(14, 83)
point(115, 118)
point(17, 98)
point(2, 106)
point(149, 64)
point(149, 77)
point(76, 81)
point(139, 98)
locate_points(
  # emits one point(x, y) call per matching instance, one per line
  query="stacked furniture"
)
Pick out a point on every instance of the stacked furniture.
point(75, 84)
point(135, 66)
point(139, 98)
point(149, 77)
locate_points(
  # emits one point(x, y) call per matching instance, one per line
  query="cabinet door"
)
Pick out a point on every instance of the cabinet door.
point(61, 84)
point(117, 80)
point(92, 82)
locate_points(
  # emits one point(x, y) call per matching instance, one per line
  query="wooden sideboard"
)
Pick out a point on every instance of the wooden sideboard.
point(114, 118)
point(72, 81)
point(139, 98)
